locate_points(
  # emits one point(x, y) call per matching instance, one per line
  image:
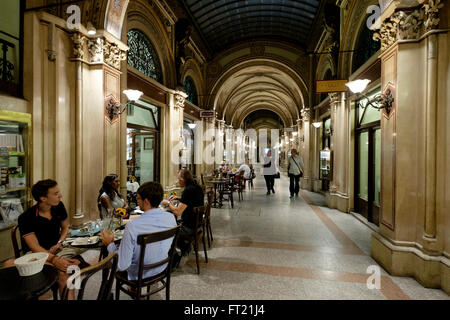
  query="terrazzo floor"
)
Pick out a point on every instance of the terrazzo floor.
point(270, 247)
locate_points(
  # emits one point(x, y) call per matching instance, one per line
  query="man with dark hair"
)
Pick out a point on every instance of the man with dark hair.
point(44, 227)
point(154, 219)
point(191, 197)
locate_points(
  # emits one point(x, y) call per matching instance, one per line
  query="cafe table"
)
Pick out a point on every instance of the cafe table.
point(15, 287)
point(218, 184)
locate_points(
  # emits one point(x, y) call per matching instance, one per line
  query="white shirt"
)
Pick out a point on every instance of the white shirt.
point(132, 186)
point(246, 170)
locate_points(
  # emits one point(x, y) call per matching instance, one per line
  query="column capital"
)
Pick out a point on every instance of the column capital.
point(306, 114)
point(407, 23)
point(180, 98)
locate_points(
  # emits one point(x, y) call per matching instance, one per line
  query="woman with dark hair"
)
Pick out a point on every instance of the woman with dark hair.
point(269, 171)
point(109, 197)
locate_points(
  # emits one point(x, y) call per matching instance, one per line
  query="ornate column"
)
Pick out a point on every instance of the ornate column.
point(97, 64)
point(219, 150)
point(307, 152)
point(335, 145)
point(414, 138)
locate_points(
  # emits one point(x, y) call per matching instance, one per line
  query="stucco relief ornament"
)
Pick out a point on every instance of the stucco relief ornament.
point(388, 32)
point(113, 55)
point(180, 97)
point(306, 115)
point(410, 25)
point(432, 12)
point(96, 50)
point(78, 45)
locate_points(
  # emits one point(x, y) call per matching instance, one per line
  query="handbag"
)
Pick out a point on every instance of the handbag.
point(276, 175)
point(301, 172)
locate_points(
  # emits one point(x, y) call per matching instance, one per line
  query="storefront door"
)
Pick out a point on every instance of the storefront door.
point(368, 173)
point(367, 162)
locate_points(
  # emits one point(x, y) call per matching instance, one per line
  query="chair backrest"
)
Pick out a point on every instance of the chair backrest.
point(210, 198)
point(17, 251)
point(109, 265)
point(203, 180)
point(145, 239)
point(200, 215)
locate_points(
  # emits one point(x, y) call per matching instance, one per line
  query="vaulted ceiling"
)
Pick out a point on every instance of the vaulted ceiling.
point(223, 23)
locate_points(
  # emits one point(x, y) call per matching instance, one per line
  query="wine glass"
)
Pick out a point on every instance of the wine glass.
point(91, 230)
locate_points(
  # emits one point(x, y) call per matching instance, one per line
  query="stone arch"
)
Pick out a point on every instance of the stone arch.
point(142, 17)
point(293, 91)
point(248, 111)
point(355, 21)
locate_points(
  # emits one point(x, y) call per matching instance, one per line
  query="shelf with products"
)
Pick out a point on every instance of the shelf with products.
point(15, 129)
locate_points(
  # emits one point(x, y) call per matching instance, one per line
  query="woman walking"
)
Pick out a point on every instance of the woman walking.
point(269, 171)
point(295, 171)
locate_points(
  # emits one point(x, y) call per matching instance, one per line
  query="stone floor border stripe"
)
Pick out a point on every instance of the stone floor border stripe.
point(343, 239)
point(388, 288)
point(286, 246)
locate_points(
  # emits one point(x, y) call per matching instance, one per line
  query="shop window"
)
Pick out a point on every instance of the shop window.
point(143, 142)
point(142, 55)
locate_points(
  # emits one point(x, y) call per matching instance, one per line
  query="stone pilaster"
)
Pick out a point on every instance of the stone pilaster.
point(414, 211)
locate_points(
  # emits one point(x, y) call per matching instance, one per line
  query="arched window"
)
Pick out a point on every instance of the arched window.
point(191, 91)
point(366, 48)
point(142, 55)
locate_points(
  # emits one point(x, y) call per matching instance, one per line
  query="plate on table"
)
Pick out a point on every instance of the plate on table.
point(85, 241)
point(83, 232)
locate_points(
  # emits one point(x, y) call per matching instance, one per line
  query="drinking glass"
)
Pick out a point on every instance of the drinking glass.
point(91, 230)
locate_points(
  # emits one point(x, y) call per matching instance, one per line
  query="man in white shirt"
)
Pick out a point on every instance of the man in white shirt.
point(154, 219)
point(246, 169)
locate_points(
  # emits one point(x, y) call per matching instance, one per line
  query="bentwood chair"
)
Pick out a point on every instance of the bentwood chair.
point(210, 199)
point(227, 189)
point(17, 251)
point(239, 184)
point(108, 267)
point(134, 289)
point(200, 226)
point(20, 251)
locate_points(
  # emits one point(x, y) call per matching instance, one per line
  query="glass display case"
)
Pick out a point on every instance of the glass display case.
point(15, 129)
point(325, 167)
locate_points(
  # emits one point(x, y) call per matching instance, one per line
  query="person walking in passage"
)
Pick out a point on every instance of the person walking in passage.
point(295, 171)
point(269, 171)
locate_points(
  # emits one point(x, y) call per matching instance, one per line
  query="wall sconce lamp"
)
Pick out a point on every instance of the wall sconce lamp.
point(384, 101)
point(192, 125)
point(317, 125)
point(113, 108)
point(91, 29)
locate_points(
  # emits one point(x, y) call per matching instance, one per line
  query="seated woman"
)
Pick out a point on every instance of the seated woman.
point(109, 197)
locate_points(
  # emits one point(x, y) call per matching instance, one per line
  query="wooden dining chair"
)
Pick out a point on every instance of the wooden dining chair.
point(227, 189)
point(200, 226)
point(134, 289)
point(108, 267)
point(239, 184)
point(210, 199)
point(17, 251)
